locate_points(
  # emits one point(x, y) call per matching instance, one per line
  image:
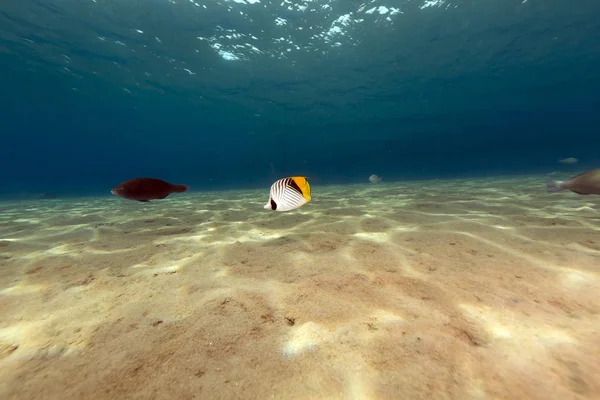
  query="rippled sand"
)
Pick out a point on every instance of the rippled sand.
point(433, 290)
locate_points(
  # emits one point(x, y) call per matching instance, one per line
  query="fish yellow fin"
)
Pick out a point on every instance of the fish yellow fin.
point(303, 185)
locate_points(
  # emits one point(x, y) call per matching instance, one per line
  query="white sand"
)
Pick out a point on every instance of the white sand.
point(431, 290)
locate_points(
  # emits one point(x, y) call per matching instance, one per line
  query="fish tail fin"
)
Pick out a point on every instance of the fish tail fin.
point(180, 188)
point(554, 186)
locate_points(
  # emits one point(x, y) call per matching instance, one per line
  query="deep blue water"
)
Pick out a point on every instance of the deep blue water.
point(97, 92)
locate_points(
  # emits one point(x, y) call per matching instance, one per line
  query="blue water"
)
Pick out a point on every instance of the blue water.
point(98, 92)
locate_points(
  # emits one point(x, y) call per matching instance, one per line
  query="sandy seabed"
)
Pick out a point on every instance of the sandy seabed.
point(471, 289)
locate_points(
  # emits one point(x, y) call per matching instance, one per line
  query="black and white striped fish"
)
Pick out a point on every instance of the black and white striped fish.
point(288, 194)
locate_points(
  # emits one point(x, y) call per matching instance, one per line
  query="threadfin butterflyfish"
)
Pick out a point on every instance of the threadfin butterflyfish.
point(288, 194)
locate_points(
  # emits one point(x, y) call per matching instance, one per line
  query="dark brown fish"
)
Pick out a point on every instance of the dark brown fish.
point(584, 183)
point(144, 189)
